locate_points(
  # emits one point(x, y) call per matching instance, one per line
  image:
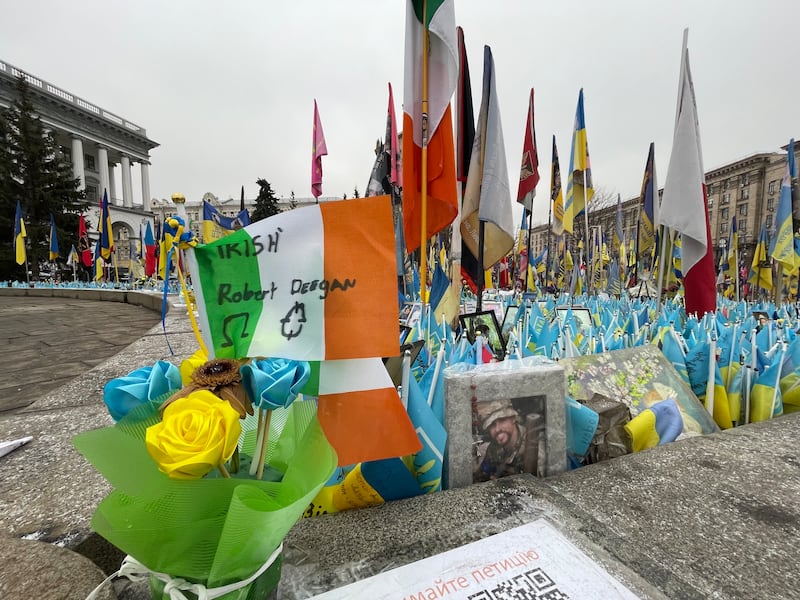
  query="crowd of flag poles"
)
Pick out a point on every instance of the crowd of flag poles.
point(454, 182)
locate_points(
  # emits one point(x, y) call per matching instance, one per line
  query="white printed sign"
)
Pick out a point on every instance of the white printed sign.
point(530, 562)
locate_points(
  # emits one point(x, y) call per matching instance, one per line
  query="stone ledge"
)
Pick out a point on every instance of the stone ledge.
point(150, 300)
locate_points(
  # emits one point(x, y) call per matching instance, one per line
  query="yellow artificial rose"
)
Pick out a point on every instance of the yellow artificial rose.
point(196, 434)
point(190, 364)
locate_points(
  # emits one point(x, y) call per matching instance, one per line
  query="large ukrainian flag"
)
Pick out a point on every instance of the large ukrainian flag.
point(579, 190)
point(782, 248)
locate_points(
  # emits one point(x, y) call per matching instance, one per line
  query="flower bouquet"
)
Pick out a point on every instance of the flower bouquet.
point(187, 507)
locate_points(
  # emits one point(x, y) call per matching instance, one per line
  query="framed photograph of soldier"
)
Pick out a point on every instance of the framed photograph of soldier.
point(508, 437)
point(496, 307)
point(413, 315)
point(582, 315)
point(486, 323)
point(408, 311)
point(504, 418)
point(510, 319)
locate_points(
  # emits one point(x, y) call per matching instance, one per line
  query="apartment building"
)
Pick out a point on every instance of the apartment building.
point(747, 188)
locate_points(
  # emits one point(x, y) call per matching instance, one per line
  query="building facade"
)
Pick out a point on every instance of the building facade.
point(164, 208)
point(747, 189)
point(96, 142)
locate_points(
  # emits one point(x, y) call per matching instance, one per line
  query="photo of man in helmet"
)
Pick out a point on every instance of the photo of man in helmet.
point(509, 435)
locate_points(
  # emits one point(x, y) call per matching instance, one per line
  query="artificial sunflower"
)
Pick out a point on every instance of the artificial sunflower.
point(220, 376)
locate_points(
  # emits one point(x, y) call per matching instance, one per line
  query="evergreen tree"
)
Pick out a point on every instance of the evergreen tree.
point(266, 201)
point(34, 171)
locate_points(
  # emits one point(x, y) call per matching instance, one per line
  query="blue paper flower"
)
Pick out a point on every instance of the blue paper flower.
point(274, 382)
point(123, 394)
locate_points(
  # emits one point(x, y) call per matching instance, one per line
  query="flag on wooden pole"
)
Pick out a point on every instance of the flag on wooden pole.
point(487, 198)
point(782, 248)
point(104, 227)
point(429, 126)
point(465, 136)
point(556, 196)
point(53, 239)
point(83, 243)
point(579, 179)
point(529, 170)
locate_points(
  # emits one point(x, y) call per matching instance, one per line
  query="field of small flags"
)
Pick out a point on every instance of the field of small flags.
point(757, 365)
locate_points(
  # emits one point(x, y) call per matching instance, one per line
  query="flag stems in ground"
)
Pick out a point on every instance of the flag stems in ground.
point(587, 273)
point(712, 360)
point(661, 266)
point(528, 246)
point(479, 276)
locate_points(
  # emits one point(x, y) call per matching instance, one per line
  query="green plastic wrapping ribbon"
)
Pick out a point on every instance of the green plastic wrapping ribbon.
point(212, 531)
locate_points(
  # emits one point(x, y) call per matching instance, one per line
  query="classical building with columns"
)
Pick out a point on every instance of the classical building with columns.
point(96, 142)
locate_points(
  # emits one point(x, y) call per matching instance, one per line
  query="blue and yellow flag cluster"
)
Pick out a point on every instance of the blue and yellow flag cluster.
point(761, 269)
point(104, 226)
point(783, 245)
point(646, 236)
point(19, 236)
point(53, 239)
point(217, 226)
point(579, 180)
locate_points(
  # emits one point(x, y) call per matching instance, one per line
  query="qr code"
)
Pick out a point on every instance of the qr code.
point(533, 585)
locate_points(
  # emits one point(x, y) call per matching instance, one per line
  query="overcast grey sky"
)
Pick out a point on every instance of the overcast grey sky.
point(227, 89)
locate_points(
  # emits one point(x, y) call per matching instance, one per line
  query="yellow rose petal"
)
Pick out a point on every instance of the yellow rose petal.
point(196, 433)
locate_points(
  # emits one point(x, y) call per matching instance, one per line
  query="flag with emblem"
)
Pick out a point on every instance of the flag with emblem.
point(529, 170)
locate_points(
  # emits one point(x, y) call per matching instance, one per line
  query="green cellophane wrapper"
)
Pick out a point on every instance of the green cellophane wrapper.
point(213, 531)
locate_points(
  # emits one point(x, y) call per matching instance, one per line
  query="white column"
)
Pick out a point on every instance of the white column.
point(102, 161)
point(112, 184)
point(77, 164)
point(127, 188)
point(146, 186)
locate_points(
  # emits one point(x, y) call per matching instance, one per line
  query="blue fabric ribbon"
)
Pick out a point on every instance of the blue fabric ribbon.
point(274, 382)
point(123, 394)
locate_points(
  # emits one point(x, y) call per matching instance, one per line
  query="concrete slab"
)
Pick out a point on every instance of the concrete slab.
point(30, 569)
point(706, 517)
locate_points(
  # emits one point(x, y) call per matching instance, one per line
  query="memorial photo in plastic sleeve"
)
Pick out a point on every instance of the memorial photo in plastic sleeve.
point(582, 315)
point(415, 315)
point(486, 323)
point(509, 437)
point(510, 319)
point(405, 312)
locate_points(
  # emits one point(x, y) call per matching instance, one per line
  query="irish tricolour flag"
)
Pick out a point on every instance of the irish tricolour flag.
point(360, 411)
point(314, 283)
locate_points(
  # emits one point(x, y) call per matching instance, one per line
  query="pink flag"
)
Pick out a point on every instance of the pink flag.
point(392, 149)
point(318, 150)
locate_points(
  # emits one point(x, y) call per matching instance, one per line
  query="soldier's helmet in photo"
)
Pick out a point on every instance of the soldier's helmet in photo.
point(489, 412)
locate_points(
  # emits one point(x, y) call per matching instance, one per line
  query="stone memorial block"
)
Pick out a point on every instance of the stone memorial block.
point(504, 418)
point(638, 377)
